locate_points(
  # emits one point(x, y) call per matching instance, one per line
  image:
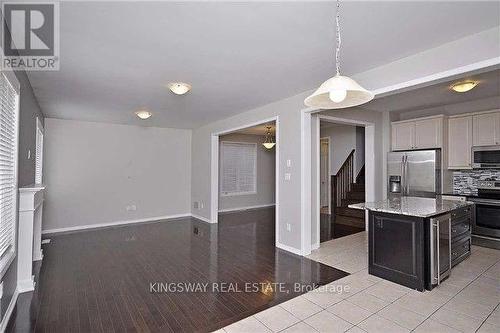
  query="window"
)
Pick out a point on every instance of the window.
point(9, 110)
point(238, 168)
point(39, 152)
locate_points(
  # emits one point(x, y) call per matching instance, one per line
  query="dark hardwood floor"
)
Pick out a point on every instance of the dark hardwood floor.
point(100, 280)
point(331, 230)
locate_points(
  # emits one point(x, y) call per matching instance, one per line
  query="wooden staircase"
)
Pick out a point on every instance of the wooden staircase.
point(348, 190)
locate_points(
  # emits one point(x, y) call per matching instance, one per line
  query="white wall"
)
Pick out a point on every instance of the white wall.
point(94, 170)
point(266, 164)
point(484, 104)
point(360, 148)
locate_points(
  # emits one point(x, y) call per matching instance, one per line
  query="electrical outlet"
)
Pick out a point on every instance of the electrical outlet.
point(288, 176)
point(288, 227)
point(196, 205)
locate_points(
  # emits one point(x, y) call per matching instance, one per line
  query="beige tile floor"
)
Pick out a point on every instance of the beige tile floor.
point(466, 302)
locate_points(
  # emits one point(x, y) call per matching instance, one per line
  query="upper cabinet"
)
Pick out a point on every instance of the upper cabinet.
point(429, 133)
point(486, 129)
point(460, 142)
point(403, 136)
point(425, 133)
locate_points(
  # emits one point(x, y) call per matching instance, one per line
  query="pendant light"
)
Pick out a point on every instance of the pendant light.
point(339, 91)
point(269, 140)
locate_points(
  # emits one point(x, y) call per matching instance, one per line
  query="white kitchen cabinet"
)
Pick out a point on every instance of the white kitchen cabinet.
point(426, 133)
point(403, 136)
point(460, 142)
point(486, 129)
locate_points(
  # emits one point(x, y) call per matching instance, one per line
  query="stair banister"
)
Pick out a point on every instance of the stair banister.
point(341, 182)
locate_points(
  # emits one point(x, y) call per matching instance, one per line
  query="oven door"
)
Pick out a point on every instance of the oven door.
point(486, 157)
point(487, 221)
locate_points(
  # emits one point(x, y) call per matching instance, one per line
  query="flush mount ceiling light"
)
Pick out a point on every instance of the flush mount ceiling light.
point(339, 91)
point(269, 140)
point(143, 114)
point(179, 88)
point(462, 87)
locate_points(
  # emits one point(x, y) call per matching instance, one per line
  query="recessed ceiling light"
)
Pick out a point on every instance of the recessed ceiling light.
point(179, 88)
point(462, 87)
point(143, 114)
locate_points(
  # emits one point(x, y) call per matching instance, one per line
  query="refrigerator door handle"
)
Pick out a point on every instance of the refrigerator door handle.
point(402, 166)
point(406, 176)
point(403, 175)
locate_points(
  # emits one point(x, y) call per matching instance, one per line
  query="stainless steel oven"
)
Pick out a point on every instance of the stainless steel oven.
point(486, 157)
point(487, 221)
point(487, 217)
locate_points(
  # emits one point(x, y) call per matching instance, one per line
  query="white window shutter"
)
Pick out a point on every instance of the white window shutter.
point(8, 164)
point(238, 168)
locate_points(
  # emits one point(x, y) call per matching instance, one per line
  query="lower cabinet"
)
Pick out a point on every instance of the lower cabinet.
point(461, 221)
point(396, 249)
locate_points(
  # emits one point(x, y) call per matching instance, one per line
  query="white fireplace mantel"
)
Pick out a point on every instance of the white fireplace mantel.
point(30, 234)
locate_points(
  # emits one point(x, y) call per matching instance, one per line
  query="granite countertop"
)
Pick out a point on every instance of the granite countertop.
point(412, 206)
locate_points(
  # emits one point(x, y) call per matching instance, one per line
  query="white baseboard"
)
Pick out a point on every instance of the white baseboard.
point(8, 313)
point(110, 224)
point(289, 249)
point(24, 286)
point(204, 219)
point(245, 208)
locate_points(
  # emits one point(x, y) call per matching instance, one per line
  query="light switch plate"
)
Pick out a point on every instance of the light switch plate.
point(288, 176)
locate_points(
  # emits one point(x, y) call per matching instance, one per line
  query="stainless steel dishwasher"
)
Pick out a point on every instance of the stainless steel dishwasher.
point(440, 251)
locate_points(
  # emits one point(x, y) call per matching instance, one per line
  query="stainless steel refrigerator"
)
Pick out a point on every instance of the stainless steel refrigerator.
point(414, 173)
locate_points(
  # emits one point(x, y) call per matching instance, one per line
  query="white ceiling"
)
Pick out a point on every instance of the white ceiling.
point(439, 94)
point(117, 57)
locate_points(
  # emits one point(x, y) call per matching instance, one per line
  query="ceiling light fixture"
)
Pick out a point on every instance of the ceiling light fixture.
point(143, 114)
point(339, 91)
point(179, 88)
point(462, 87)
point(269, 140)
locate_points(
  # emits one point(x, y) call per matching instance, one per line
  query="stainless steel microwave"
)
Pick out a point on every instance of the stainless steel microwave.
point(486, 157)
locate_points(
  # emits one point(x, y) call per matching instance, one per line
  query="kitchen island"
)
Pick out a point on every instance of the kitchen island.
point(415, 241)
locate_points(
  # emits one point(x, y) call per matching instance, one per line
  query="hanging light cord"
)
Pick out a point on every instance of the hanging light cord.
point(339, 40)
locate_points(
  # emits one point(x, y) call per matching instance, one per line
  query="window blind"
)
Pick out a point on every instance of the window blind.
point(238, 168)
point(8, 153)
point(39, 152)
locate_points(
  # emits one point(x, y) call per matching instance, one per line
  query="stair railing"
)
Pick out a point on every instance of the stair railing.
point(342, 182)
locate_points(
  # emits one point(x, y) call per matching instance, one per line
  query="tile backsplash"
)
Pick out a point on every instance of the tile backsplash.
point(465, 182)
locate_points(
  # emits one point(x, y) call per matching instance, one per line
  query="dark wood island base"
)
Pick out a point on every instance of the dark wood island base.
point(400, 246)
point(396, 249)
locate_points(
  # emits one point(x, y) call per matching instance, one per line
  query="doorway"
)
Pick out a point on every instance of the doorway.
point(349, 137)
point(253, 190)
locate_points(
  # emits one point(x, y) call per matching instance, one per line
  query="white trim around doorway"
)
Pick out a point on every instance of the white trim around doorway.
point(328, 182)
